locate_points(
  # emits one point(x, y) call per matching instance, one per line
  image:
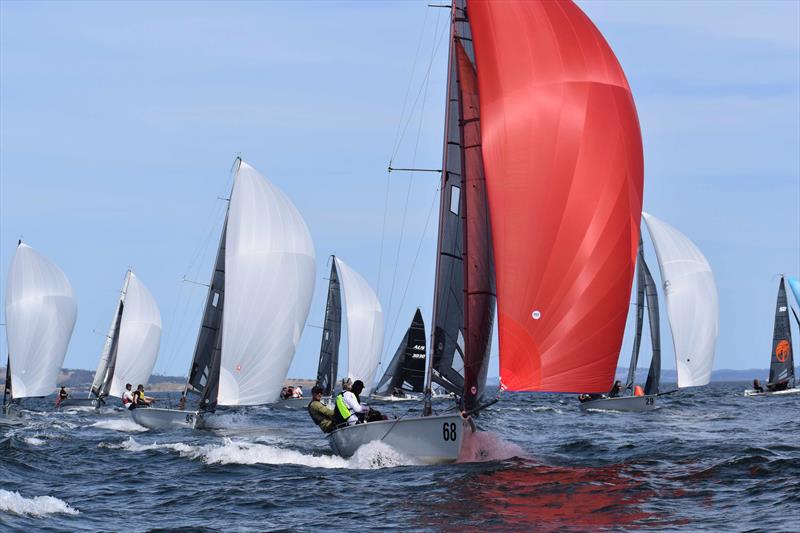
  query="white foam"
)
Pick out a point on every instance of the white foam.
point(120, 424)
point(34, 441)
point(487, 446)
point(14, 502)
point(371, 456)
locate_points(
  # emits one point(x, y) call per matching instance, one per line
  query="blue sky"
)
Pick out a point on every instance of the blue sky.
point(119, 122)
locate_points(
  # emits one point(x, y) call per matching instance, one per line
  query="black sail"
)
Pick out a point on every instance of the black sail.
point(654, 374)
point(331, 333)
point(204, 373)
point(464, 298)
point(781, 368)
point(637, 339)
point(406, 371)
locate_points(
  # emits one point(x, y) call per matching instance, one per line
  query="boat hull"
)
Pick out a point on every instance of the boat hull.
point(430, 439)
point(78, 402)
point(631, 404)
point(297, 403)
point(408, 398)
point(752, 392)
point(161, 419)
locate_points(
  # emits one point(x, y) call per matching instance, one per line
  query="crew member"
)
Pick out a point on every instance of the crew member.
point(321, 414)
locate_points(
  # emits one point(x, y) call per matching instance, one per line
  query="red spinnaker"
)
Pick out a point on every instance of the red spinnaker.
point(562, 152)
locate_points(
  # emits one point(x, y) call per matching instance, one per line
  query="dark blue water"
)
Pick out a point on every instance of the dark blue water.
point(706, 459)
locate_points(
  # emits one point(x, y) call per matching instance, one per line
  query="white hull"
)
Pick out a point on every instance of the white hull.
point(409, 398)
point(430, 439)
point(632, 404)
point(297, 403)
point(78, 402)
point(752, 392)
point(155, 418)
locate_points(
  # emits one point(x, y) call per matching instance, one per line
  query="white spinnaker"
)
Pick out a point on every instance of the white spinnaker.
point(40, 315)
point(139, 338)
point(364, 326)
point(692, 301)
point(270, 269)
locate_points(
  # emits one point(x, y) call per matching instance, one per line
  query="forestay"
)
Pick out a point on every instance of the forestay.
point(40, 313)
point(692, 301)
point(364, 326)
point(269, 282)
point(139, 338)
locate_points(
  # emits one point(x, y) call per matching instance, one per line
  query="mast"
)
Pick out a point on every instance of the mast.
point(331, 334)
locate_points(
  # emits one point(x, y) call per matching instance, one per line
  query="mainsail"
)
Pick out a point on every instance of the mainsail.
point(562, 152)
point(101, 385)
point(646, 288)
point(781, 366)
point(464, 297)
point(364, 326)
point(331, 334)
point(40, 316)
point(692, 301)
point(406, 371)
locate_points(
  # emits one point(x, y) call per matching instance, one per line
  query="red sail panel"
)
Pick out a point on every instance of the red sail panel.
point(563, 158)
point(478, 267)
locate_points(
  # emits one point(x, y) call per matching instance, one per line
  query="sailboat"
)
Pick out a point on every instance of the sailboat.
point(40, 316)
point(404, 378)
point(782, 379)
point(131, 346)
point(540, 204)
point(693, 311)
point(257, 304)
point(365, 328)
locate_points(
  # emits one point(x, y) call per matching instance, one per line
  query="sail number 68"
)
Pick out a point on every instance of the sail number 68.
point(449, 431)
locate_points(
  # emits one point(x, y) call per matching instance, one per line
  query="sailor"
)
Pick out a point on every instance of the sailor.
point(62, 395)
point(298, 392)
point(139, 399)
point(757, 386)
point(321, 414)
point(127, 398)
point(616, 389)
point(348, 409)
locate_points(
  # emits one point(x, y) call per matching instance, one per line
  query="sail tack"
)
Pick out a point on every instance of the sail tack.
point(564, 170)
point(40, 312)
point(269, 281)
point(364, 326)
point(692, 301)
point(139, 338)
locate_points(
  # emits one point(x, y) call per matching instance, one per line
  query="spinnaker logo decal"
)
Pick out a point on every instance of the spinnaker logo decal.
point(782, 351)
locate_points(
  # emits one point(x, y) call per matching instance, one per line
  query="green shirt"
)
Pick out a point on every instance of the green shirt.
point(322, 416)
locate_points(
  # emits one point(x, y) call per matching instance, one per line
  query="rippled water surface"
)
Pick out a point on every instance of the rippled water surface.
point(705, 459)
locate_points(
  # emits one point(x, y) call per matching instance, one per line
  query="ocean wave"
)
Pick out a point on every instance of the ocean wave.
point(14, 502)
point(34, 441)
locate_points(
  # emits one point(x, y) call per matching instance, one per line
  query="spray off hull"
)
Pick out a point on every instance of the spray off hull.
point(430, 439)
point(631, 404)
point(163, 419)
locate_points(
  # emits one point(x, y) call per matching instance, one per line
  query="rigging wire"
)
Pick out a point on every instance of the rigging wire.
point(395, 145)
point(423, 91)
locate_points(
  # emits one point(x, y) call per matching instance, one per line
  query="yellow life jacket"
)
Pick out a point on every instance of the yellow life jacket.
point(341, 408)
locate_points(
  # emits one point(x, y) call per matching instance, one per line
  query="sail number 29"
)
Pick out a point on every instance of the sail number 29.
point(449, 431)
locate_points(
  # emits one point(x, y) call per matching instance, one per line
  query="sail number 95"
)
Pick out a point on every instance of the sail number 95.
point(449, 431)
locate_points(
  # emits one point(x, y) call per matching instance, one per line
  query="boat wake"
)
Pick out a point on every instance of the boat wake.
point(34, 441)
point(38, 506)
point(371, 456)
point(125, 424)
point(483, 446)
